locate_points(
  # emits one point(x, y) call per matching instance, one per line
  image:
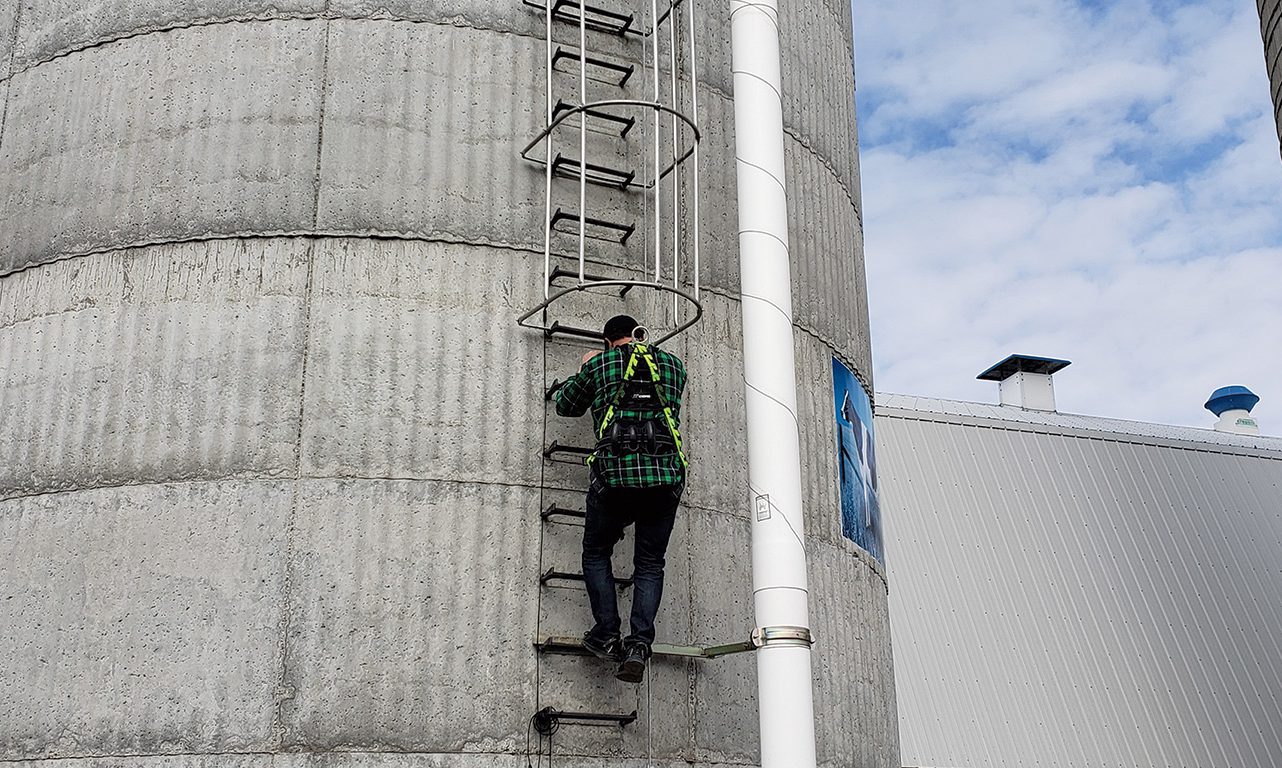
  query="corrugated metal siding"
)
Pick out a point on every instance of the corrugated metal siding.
point(1065, 598)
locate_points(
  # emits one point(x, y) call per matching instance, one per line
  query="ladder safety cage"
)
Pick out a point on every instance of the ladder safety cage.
point(653, 168)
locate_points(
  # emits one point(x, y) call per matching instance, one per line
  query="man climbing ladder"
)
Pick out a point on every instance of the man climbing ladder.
point(637, 475)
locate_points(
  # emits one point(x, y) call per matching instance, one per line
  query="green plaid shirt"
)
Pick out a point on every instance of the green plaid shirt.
point(594, 387)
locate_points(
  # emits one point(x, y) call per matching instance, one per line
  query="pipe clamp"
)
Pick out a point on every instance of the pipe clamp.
point(781, 636)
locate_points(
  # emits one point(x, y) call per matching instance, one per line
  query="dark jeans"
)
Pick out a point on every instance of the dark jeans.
point(609, 511)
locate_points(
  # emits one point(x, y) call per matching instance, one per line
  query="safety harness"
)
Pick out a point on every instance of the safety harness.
point(618, 437)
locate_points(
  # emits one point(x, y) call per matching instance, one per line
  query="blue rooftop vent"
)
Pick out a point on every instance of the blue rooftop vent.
point(1231, 399)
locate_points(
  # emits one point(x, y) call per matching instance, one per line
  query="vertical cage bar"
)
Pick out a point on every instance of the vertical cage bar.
point(676, 152)
point(583, 135)
point(657, 127)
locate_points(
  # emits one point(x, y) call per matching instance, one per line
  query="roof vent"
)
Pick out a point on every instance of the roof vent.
point(1233, 405)
point(1026, 381)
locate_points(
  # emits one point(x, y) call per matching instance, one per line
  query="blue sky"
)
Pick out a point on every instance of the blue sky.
point(1094, 181)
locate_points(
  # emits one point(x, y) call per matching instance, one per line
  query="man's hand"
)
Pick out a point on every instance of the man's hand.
point(589, 355)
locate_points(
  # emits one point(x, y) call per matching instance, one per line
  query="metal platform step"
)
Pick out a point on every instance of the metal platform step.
point(565, 645)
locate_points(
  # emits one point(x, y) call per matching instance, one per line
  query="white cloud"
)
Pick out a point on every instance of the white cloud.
point(1105, 186)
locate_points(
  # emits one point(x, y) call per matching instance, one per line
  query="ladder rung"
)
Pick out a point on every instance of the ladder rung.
point(570, 330)
point(555, 511)
point(555, 575)
point(621, 231)
point(594, 17)
point(626, 122)
point(624, 71)
point(548, 719)
point(556, 448)
point(603, 175)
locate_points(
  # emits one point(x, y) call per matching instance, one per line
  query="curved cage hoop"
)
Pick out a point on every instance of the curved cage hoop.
point(554, 327)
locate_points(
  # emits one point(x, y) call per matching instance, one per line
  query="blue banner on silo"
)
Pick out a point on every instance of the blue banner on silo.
point(856, 462)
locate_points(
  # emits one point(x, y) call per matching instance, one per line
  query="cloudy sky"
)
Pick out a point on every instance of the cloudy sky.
point(1097, 181)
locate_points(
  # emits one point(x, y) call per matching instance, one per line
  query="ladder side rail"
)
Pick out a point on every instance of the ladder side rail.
point(694, 109)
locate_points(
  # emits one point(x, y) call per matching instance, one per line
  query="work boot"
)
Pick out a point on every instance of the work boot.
point(610, 649)
point(632, 667)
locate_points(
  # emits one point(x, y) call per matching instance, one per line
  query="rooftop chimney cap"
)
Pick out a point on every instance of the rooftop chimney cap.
point(1023, 364)
point(1230, 399)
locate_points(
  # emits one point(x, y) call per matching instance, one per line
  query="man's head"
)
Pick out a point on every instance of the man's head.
point(618, 328)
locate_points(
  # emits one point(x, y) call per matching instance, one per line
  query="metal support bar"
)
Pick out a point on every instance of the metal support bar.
point(554, 575)
point(573, 646)
point(547, 720)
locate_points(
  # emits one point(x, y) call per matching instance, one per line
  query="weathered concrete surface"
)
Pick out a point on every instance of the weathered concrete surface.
point(405, 102)
point(412, 616)
point(174, 135)
point(141, 619)
point(853, 670)
point(166, 363)
point(441, 92)
point(356, 760)
point(721, 592)
point(416, 367)
point(8, 28)
point(53, 28)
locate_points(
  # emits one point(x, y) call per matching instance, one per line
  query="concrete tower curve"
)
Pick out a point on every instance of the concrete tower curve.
point(271, 441)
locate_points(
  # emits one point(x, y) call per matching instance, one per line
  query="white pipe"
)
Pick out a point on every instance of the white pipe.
point(786, 702)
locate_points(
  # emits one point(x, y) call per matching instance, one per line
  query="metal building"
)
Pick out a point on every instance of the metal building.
point(277, 476)
point(1271, 29)
point(1081, 592)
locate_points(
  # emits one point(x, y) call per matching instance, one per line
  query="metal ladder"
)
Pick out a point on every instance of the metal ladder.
point(620, 155)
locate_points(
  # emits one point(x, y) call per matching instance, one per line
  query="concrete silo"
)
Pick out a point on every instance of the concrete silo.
point(272, 444)
point(1271, 31)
